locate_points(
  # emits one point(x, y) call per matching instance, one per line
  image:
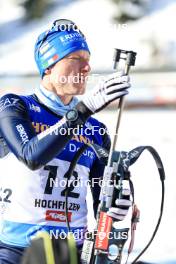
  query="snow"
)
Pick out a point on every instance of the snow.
point(153, 32)
point(9, 11)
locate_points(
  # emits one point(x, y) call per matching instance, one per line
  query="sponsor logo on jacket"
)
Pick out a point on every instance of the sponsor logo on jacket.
point(57, 216)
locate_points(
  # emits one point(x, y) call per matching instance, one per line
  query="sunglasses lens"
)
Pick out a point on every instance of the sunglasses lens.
point(64, 24)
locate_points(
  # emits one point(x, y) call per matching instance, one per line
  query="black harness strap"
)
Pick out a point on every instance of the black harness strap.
point(126, 160)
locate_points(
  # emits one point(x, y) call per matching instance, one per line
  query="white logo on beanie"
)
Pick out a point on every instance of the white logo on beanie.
point(70, 37)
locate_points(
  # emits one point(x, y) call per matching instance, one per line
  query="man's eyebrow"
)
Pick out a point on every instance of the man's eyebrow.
point(77, 57)
point(73, 56)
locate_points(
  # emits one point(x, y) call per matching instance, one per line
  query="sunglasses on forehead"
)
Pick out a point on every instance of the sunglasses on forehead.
point(64, 24)
point(61, 25)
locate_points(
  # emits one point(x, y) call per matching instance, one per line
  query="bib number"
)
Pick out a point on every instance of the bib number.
point(5, 195)
point(52, 173)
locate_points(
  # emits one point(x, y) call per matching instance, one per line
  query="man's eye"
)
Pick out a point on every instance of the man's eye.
point(77, 59)
point(74, 58)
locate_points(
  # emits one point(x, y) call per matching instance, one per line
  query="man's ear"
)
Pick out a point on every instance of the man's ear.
point(47, 71)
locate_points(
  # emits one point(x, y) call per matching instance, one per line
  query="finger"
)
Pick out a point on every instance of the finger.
point(126, 194)
point(118, 211)
point(117, 88)
point(123, 202)
point(112, 97)
point(117, 217)
point(117, 80)
point(114, 75)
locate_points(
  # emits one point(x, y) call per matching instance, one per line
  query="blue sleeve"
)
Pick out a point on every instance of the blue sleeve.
point(96, 174)
point(17, 131)
point(4, 150)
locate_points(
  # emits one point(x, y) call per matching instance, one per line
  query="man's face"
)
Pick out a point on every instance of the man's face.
point(69, 75)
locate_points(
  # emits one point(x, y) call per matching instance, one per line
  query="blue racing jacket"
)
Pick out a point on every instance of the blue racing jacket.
point(36, 148)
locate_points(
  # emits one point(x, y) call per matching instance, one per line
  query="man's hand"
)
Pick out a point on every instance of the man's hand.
point(123, 205)
point(115, 86)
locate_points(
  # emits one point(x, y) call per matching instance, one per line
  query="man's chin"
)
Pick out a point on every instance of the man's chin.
point(80, 89)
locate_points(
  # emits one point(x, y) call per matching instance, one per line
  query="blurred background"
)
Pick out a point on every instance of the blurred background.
point(144, 26)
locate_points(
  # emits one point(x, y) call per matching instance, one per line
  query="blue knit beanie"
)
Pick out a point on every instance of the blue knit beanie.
point(54, 44)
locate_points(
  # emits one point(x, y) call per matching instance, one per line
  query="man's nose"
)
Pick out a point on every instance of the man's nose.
point(86, 67)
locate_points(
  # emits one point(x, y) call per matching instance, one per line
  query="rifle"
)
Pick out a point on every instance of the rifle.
point(98, 247)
